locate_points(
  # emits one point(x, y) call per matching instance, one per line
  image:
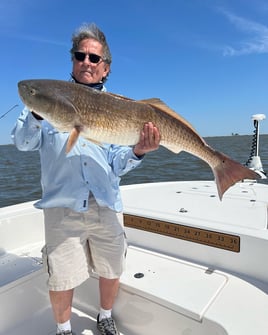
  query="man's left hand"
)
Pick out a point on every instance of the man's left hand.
point(149, 140)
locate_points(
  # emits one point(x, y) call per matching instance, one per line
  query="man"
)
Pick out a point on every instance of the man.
point(80, 193)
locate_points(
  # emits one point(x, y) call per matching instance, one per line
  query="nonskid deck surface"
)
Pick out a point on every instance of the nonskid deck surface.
point(82, 324)
point(25, 309)
point(24, 301)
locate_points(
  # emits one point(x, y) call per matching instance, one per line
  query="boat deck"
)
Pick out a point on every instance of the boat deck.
point(187, 220)
point(153, 287)
point(173, 283)
point(23, 289)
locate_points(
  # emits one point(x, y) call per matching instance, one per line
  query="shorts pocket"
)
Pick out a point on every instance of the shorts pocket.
point(45, 259)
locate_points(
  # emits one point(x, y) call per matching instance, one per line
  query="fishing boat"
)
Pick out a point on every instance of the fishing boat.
point(195, 265)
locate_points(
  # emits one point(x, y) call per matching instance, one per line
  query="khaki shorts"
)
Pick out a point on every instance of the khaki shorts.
point(79, 243)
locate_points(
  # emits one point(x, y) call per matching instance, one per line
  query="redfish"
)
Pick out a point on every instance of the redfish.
point(108, 118)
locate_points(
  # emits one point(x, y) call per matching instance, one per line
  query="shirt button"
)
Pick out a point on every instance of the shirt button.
point(85, 163)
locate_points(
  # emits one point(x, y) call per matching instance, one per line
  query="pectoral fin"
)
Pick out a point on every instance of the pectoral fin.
point(73, 137)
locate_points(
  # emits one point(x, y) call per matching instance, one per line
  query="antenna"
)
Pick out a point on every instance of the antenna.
point(254, 161)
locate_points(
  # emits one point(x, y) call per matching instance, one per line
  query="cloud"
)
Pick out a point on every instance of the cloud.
point(256, 41)
point(12, 21)
point(40, 40)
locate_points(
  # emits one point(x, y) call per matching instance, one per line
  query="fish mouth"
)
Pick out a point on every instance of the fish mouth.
point(21, 85)
point(27, 92)
point(23, 89)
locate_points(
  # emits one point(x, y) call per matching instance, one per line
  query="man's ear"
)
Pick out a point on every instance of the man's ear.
point(106, 70)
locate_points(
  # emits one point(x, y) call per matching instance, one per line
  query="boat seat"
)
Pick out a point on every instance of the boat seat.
point(183, 287)
point(19, 263)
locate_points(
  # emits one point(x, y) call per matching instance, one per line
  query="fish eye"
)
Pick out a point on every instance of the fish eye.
point(32, 91)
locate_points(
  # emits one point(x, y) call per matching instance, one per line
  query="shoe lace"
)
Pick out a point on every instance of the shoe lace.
point(108, 324)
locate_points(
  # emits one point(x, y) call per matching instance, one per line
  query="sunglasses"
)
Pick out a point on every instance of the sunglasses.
point(81, 56)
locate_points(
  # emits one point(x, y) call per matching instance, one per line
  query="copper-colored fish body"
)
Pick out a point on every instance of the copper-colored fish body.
point(108, 118)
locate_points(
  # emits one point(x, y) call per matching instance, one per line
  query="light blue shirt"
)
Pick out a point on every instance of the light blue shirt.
point(68, 179)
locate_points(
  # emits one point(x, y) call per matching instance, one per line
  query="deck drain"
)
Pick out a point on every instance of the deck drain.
point(139, 275)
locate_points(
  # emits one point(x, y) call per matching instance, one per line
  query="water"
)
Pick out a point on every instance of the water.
point(20, 171)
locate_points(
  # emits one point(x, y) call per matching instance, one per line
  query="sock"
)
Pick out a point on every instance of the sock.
point(105, 313)
point(61, 327)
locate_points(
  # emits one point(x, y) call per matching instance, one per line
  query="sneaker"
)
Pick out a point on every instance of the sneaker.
point(66, 332)
point(107, 326)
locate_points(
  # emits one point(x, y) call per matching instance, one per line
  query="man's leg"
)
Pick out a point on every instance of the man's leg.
point(108, 292)
point(61, 302)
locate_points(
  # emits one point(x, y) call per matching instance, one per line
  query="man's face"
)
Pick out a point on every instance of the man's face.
point(86, 71)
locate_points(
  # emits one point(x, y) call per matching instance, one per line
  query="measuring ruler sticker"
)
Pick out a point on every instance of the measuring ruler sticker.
point(192, 234)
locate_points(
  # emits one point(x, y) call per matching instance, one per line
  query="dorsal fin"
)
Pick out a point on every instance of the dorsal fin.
point(158, 103)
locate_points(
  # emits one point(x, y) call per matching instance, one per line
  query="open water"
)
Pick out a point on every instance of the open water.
point(20, 171)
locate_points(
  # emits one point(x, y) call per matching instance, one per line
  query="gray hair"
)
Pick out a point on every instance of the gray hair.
point(90, 30)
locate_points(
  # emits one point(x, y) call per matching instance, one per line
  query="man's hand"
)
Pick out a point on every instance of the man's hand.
point(149, 140)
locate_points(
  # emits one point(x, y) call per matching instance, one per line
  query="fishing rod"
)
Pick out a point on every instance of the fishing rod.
point(8, 111)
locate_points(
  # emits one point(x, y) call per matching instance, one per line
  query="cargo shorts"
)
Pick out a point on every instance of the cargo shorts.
point(80, 243)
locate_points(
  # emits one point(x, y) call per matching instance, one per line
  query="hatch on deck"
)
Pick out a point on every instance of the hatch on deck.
point(180, 286)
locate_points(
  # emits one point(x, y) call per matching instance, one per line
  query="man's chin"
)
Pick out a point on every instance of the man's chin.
point(85, 79)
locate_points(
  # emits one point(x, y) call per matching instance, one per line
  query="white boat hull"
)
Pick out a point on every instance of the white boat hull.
point(176, 281)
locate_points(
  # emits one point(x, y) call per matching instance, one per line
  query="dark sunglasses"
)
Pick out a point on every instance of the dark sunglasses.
point(93, 58)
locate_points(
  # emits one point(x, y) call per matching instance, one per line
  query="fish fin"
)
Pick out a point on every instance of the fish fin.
point(74, 134)
point(172, 147)
point(73, 137)
point(158, 103)
point(228, 172)
point(119, 96)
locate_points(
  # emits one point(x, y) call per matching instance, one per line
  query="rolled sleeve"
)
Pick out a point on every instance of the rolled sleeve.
point(27, 131)
point(132, 161)
point(122, 159)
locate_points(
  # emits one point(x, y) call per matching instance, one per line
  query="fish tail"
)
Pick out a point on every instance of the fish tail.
point(228, 172)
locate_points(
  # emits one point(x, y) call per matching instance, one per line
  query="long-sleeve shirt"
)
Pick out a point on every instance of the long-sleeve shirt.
point(68, 179)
